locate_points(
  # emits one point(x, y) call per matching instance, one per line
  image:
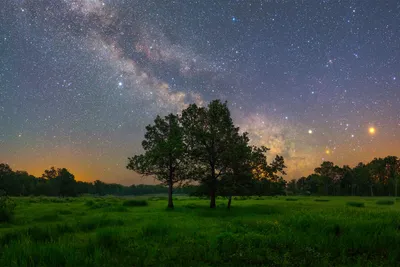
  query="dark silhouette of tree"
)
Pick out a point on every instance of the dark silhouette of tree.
point(211, 137)
point(237, 178)
point(164, 155)
point(377, 178)
point(66, 183)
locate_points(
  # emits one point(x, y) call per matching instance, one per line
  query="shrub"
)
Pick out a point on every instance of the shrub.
point(385, 202)
point(291, 199)
point(135, 203)
point(355, 204)
point(322, 200)
point(7, 208)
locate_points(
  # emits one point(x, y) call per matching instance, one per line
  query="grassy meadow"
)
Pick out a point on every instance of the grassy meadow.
point(266, 231)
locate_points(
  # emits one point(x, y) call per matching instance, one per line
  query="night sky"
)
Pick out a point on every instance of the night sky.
point(312, 80)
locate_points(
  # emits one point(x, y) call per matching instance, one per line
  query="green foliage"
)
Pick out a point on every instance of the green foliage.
point(292, 199)
point(321, 200)
point(385, 202)
point(165, 153)
point(7, 208)
point(135, 203)
point(355, 204)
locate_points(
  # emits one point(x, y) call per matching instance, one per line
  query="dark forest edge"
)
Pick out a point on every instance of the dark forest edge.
point(380, 177)
point(60, 182)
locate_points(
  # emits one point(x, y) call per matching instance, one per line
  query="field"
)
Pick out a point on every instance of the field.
point(268, 231)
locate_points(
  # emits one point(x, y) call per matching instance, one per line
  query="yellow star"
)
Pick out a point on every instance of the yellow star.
point(372, 130)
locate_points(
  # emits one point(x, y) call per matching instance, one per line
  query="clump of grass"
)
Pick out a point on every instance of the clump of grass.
point(385, 202)
point(135, 203)
point(292, 199)
point(117, 209)
point(157, 198)
point(89, 203)
point(98, 204)
point(64, 212)
point(322, 200)
point(93, 223)
point(156, 229)
point(7, 208)
point(108, 239)
point(48, 217)
point(191, 206)
point(355, 204)
point(241, 198)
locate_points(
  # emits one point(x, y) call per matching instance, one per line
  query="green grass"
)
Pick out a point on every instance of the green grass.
point(256, 231)
point(356, 204)
point(135, 203)
point(385, 202)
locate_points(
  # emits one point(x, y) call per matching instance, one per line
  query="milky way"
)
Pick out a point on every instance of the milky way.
point(80, 79)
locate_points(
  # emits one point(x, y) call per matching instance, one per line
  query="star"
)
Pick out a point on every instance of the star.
point(301, 94)
point(372, 130)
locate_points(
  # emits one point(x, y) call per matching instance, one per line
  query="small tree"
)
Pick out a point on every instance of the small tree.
point(66, 183)
point(262, 171)
point(58, 182)
point(164, 153)
point(237, 179)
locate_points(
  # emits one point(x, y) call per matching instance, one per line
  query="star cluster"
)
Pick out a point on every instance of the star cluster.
point(312, 80)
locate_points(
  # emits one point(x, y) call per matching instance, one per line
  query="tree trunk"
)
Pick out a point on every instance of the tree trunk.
point(212, 199)
point(395, 189)
point(229, 202)
point(213, 189)
point(372, 192)
point(170, 202)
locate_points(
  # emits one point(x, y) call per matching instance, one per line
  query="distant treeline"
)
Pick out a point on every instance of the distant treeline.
point(380, 177)
point(60, 182)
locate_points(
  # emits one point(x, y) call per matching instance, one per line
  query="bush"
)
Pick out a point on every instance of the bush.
point(291, 199)
point(135, 203)
point(322, 200)
point(355, 204)
point(7, 208)
point(385, 202)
